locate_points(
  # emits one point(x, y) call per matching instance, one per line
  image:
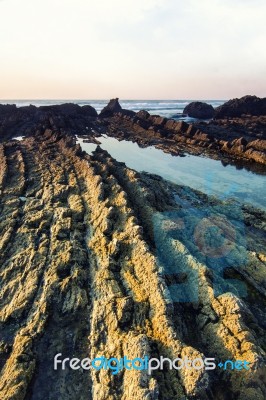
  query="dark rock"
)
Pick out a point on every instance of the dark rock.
point(170, 124)
point(226, 146)
point(89, 111)
point(247, 105)
point(203, 137)
point(127, 113)
point(70, 110)
point(198, 109)
point(112, 107)
point(191, 130)
point(143, 114)
point(178, 126)
point(66, 109)
point(239, 142)
point(157, 120)
point(181, 126)
point(7, 109)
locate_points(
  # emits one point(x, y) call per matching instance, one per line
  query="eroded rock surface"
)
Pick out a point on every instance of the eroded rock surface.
point(99, 260)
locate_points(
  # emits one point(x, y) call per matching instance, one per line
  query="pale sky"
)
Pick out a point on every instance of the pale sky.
point(132, 49)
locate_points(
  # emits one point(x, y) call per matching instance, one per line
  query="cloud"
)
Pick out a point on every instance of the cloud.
point(145, 47)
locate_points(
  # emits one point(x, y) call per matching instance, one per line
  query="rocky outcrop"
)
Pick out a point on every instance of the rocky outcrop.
point(70, 109)
point(97, 260)
point(217, 138)
point(200, 110)
point(234, 141)
point(247, 105)
point(19, 121)
point(112, 107)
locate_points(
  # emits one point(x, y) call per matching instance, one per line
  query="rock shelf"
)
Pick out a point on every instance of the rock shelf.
point(83, 242)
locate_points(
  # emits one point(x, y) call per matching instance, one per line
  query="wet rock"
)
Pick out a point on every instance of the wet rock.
point(157, 120)
point(200, 110)
point(255, 155)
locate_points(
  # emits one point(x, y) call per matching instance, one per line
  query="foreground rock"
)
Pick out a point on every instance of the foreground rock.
point(200, 110)
point(247, 105)
point(98, 260)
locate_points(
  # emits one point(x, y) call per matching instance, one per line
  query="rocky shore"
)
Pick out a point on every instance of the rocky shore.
point(233, 138)
point(94, 259)
point(230, 139)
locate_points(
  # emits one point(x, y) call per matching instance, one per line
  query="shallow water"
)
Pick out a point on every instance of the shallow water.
point(207, 175)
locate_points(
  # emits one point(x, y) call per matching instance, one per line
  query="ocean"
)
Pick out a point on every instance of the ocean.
point(165, 108)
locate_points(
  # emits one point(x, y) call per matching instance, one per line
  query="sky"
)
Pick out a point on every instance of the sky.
point(132, 49)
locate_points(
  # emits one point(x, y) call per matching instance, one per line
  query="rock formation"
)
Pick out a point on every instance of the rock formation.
point(93, 258)
point(112, 107)
point(247, 105)
point(198, 109)
point(27, 120)
point(217, 139)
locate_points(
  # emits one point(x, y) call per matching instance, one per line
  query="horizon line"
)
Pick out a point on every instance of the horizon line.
point(120, 99)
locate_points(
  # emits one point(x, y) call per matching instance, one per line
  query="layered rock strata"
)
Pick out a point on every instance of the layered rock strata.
point(94, 259)
point(231, 140)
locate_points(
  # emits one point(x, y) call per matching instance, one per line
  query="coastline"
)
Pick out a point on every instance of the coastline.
point(98, 260)
point(84, 241)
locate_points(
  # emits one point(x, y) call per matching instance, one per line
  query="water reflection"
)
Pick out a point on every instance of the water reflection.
point(210, 176)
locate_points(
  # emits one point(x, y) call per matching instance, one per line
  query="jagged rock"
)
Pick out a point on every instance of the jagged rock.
point(198, 109)
point(65, 117)
point(112, 107)
point(172, 136)
point(92, 259)
point(257, 144)
point(127, 113)
point(157, 120)
point(143, 114)
point(247, 105)
point(7, 109)
point(239, 142)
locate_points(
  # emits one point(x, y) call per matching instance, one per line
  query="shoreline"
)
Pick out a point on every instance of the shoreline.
point(231, 140)
point(97, 259)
